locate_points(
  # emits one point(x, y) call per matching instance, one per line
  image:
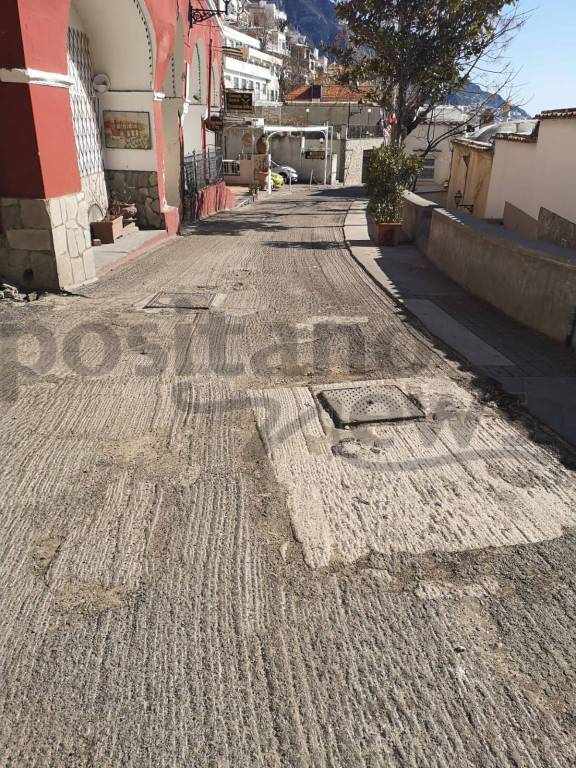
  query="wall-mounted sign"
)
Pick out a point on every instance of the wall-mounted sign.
point(239, 101)
point(315, 154)
point(214, 123)
point(235, 53)
point(127, 130)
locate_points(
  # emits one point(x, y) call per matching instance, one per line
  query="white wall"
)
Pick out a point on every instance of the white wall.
point(288, 151)
point(192, 127)
point(537, 175)
point(122, 45)
point(418, 141)
point(512, 179)
point(556, 168)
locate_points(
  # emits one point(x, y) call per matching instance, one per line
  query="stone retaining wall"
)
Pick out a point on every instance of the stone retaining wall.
point(140, 188)
point(416, 219)
point(532, 282)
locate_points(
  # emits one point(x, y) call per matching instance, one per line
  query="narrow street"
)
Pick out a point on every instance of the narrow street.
point(201, 568)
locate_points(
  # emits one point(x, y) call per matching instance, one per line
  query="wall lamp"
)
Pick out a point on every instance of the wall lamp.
point(198, 15)
point(458, 197)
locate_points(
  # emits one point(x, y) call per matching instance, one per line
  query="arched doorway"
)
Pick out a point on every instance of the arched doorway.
point(115, 39)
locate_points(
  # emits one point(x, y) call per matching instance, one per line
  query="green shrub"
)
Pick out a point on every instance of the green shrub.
point(390, 173)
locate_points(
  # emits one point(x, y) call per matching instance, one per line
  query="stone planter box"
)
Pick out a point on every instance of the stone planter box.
point(383, 233)
point(263, 180)
point(108, 231)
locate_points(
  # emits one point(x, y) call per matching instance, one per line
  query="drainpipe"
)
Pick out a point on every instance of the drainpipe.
point(210, 76)
point(326, 144)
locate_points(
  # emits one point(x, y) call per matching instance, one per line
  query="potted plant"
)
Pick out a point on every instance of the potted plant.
point(128, 211)
point(108, 229)
point(390, 173)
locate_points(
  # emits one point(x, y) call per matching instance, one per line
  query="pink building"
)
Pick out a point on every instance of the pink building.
point(100, 100)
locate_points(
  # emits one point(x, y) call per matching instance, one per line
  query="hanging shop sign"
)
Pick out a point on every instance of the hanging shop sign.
point(214, 123)
point(127, 130)
point(239, 101)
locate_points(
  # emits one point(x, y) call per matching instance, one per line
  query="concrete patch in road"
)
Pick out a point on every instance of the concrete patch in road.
point(164, 300)
point(467, 482)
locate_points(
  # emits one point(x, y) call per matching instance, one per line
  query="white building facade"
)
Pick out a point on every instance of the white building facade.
point(248, 68)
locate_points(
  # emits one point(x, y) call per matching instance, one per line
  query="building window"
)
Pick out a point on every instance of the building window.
point(236, 83)
point(427, 172)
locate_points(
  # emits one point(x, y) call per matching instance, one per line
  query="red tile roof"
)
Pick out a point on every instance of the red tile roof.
point(523, 138)
point(327, 93)
point(557, 114)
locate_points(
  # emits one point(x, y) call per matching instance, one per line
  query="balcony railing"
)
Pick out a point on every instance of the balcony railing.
point(364, 132)
point(231, 167)
point(202, 169)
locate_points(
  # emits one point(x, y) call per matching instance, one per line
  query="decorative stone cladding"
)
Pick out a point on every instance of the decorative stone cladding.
point(45, 244)
point(95, 195)
point(140, 188)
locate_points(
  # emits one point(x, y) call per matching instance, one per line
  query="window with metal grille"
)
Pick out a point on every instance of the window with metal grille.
point(427, 171)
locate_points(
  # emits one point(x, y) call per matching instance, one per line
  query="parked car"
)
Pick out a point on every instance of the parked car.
point(286, 171)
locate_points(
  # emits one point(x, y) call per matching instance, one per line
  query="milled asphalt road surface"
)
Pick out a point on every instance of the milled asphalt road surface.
point(199, 569)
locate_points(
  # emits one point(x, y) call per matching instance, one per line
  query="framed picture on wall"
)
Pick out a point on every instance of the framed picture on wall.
point(127, 130)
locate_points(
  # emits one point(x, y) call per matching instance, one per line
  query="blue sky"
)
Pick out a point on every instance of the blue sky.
point(545, 52)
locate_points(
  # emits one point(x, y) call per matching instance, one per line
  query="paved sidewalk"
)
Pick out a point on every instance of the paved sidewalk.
point(525, 363)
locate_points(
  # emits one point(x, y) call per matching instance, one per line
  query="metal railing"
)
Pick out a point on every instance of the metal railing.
point(364, 131)
point(202, 169)
point(231, 167)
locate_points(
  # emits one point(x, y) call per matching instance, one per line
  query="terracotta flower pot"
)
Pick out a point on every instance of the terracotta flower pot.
point(108, 230)
point(262, 145)
point(263, 179)
point(384, 233)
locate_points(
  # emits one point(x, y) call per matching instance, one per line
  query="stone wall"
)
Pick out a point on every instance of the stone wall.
point(555, 229)
point(532, 282)
point(416, 219)
point(353, 159)
point(140, 188)
point(519, 222)
point(45, 244)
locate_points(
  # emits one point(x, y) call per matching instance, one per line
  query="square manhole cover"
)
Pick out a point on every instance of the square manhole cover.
point(181, 301)
point(367, 404)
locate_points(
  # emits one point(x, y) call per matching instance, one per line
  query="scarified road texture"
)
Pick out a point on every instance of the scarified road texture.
point(199, 568)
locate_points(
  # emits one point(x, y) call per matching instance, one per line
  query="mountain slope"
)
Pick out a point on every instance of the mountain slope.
point(314, 18)
point(472, 95)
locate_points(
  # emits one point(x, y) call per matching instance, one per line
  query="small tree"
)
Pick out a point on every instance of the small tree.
point(413, 54)
point(390, 173)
